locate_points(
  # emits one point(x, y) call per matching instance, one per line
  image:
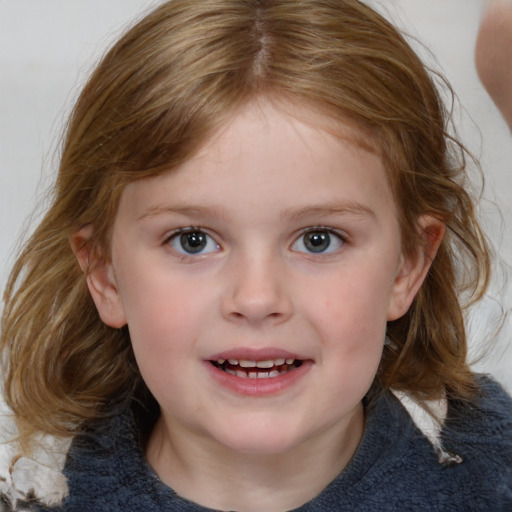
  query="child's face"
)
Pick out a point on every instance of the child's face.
point(257, 280)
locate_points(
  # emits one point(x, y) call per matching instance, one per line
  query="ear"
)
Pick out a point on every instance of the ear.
point(100, 279)
point(414, 268)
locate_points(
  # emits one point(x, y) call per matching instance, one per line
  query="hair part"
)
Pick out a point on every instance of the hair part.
point(153, 102)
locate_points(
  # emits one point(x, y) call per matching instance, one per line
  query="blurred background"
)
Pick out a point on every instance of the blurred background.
point(49, 47)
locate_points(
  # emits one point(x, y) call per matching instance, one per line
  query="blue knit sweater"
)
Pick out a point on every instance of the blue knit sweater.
point(394, 468)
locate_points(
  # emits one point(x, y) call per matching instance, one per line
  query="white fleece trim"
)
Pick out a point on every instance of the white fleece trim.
point(429, 418)
point(37, 477)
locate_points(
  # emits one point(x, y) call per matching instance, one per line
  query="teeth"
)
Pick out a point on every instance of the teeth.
point(265, 364)
point(243, 368)
point(247, 364)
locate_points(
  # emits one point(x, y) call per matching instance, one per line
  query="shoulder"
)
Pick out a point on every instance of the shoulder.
point(56, 481)
point(481, 433)
point(106, 468)
point(406, 473)
point(486, 420)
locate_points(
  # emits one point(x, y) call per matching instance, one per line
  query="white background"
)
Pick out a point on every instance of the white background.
point(48, 48)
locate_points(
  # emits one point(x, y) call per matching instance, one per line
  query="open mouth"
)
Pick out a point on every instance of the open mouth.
point(257, 369)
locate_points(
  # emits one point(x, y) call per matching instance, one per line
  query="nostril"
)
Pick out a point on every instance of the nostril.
point(238, 316)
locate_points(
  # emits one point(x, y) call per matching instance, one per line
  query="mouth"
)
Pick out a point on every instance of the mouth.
point(265, 369)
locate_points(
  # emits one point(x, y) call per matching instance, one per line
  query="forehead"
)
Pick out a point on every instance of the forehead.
point(277, 156)
point(284, 117)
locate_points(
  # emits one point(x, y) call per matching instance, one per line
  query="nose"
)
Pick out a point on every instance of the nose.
point(257, 292)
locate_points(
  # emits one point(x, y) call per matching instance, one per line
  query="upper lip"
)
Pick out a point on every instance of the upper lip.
point(259, 354)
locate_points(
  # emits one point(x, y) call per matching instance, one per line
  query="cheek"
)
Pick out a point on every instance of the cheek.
point(357, 302)
point(354, 352)
point(163, 333)
point(351, 323)
point(164, 320)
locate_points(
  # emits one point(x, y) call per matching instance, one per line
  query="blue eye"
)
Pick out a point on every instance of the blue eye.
point(318, 241)
point(193, 241)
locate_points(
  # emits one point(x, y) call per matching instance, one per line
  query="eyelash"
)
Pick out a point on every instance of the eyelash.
point(340, 236)
point(178, 234)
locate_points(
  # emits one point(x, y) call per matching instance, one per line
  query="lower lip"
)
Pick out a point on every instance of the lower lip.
point(259, 387)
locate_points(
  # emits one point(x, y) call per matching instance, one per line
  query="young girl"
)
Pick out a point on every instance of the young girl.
point(259, 238)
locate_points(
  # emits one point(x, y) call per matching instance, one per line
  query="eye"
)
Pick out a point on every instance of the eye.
point(318, 241)
point(193, 241)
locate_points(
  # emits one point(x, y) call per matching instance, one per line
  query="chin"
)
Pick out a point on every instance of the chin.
point(270, 438)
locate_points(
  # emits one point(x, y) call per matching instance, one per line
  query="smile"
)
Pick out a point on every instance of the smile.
point(266, 369)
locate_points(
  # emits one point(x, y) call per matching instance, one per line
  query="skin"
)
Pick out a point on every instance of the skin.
point(256, 288)
point(493, 55)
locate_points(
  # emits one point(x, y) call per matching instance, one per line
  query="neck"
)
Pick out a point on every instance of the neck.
point(216, 477)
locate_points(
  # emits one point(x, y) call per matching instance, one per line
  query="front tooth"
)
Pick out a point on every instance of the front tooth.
point(233, 362)
point(290, 361)
point(263, 375)
point(265, 364)
point(247, 364)
point(274, 373)
point(253, 375)
point(279, 362)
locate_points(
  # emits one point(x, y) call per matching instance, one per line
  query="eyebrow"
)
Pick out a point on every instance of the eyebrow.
point(294, 215)
point(329, 210)
point(198, 212)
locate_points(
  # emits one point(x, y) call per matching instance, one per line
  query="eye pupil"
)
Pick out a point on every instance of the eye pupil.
point(193, 242)
point(317, 241)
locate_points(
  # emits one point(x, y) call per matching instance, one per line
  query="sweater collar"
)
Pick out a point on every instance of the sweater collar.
point(109, 457)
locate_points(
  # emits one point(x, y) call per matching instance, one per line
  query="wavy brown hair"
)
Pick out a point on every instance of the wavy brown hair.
point(153, 101)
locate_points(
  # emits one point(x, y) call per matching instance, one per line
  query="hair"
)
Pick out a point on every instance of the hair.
point(152, 102)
